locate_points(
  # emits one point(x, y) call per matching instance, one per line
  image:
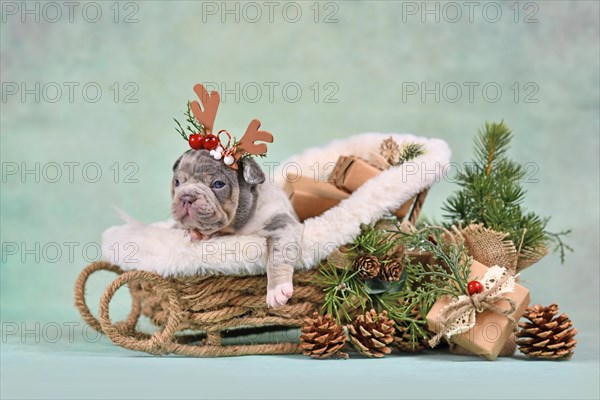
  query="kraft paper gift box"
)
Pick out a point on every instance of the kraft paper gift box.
point(351, 172)
point(310, 197)
point(491, 330)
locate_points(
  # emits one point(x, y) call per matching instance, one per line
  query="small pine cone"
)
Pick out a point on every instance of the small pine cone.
point(545, 335)
point(322, 337)
point(391, 271)
point(402, 338)
point(370, 334)
point(367, 266)
point(390, 150)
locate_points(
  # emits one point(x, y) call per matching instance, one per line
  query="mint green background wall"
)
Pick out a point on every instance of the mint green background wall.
point(353, 72)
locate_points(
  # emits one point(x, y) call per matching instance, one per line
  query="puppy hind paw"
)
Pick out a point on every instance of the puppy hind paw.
point(279, 295)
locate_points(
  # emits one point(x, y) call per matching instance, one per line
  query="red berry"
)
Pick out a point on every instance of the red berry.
point(211, 142)
point(474, 287)
point(196, 141)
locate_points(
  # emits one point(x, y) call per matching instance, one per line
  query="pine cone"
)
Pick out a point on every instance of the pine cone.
point(402, 338)
point(390, 150)
point(367, 266)
point(391, 271)
point(370, 334)
point(546, 336)
point(322, 337)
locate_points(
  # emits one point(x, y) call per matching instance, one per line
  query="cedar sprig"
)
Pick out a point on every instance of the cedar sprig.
point(197, 126)
point(491, 193)
point(401, 311)
point(449, 275)
point(560, 245)
point(424, 284)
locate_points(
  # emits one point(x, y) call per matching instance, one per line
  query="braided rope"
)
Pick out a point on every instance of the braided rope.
point(210, 304)
point(82, 306)
point(159, 342)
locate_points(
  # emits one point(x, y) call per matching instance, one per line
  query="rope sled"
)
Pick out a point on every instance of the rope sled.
point(196, 300)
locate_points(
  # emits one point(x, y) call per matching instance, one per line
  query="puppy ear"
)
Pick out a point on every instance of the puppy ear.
point(177, 163)
point(251, 171)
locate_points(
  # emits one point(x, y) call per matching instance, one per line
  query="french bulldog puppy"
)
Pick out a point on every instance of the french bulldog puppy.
point(209, 198)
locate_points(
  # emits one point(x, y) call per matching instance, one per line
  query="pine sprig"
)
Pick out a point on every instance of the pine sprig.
point(344, 291)
point(410, 151)
point(374, 241)
point(491, 193)
point(194, 127)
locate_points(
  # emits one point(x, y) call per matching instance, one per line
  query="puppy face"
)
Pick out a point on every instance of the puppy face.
point(209, 196)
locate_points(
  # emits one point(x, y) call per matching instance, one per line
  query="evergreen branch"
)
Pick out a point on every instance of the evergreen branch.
point(180, 130)
point(190, 119)
point(491, 193)
point(491, 144)
point(409, 300)
point(449, 275)
point(374, 241)
point(410, 151)
point(425, 284)
point(560, 245)
point(344, 291)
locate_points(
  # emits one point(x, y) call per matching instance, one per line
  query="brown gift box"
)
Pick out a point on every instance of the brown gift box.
point(491, 330)
point(311, 198)
point(351, 172)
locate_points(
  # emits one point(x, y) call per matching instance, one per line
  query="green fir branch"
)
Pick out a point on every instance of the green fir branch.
point(491, 193)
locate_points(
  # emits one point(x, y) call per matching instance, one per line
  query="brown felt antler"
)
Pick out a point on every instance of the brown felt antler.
point(210, 104)
point(246, 143)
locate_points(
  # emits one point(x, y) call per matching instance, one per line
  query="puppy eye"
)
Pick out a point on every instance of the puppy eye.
point(218, 184)
point(176, 182)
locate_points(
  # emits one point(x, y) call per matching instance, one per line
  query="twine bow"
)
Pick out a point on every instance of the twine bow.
point(460, 315)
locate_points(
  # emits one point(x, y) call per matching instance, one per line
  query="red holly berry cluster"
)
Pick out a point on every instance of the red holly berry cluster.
point(199, 142)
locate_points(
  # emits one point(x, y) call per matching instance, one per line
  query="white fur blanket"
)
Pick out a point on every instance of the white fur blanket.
point(168, 252)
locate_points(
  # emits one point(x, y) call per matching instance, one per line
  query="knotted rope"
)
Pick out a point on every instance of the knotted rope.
point(484, 301)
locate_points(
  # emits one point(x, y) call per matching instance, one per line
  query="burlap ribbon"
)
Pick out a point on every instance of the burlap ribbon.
point(460, 315)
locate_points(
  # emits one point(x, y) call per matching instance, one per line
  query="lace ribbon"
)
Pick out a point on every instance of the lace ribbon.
point(460, 315)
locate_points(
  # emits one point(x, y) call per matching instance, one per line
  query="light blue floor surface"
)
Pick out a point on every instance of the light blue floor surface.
point(99, 369)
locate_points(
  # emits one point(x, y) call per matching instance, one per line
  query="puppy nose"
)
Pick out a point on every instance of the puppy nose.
point(188, 199)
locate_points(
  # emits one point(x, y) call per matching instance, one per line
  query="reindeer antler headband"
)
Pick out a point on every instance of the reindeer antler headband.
point(202, 137)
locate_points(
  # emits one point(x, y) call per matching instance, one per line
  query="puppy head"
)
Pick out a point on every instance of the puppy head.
point(209, 196)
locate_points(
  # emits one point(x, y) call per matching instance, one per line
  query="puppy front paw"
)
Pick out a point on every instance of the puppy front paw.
point(196, 236)
point(279, 295)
